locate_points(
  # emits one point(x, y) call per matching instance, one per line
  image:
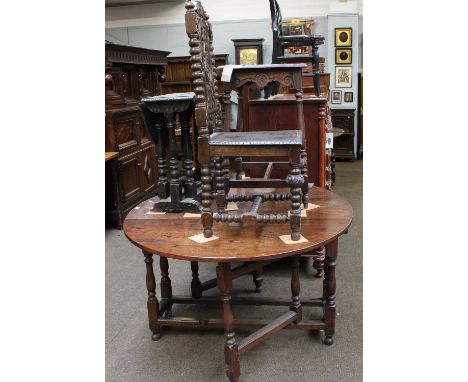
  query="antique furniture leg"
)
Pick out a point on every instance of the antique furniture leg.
point(196, 285)
point(319, 258)
point(239, 127)
point(257, 277)
point(175, 185)
point(207, 214)
point(316, 67)
point(220, 185)
point(166, 287)
point(305, 185)
point(231, 354)
point(163, 182)
point(295, 181)
point(331, 250)
point(225, 171)
point(190, 185)
point(153, 303)
point(295, 288)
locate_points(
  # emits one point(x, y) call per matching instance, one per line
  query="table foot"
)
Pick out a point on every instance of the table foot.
point(328, 340)
point(156, 336)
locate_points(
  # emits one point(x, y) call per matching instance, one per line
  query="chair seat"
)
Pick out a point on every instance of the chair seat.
point(257, 138)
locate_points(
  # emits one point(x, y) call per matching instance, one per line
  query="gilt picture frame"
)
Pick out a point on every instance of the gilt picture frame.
point(343, 56)
point(343, 36)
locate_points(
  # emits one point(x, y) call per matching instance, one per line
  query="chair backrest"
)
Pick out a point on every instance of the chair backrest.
point(208, 114)
point(276, 20)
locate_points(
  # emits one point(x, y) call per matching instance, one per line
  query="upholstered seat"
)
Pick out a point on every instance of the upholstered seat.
point(257, 138)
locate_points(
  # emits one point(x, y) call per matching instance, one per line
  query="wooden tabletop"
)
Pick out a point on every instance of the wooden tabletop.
point(168, 234)
point(111, 155)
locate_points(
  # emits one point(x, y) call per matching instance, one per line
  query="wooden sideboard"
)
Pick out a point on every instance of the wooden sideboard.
point(344, 144)
point(131, 74)
point(178, 73)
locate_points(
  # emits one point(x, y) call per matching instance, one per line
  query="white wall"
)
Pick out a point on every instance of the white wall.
point(173, 13)
point(345, 21)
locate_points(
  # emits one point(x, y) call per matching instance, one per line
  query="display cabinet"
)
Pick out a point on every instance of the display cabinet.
point(344, 144)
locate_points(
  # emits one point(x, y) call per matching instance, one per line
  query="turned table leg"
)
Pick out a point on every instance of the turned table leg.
point(175, 184)
point(231, 353)
point(257, 277)
point(329, 290)
point(190, 185)
point(196, 285)
point(319, 258)
point(166, 286)
point(163, 181)
point(295, 288)
point(153, 303)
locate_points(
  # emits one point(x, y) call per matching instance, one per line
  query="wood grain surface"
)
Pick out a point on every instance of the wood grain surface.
point(168, 234)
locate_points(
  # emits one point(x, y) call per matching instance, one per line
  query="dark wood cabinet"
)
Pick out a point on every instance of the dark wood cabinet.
point(344, 144)
point(131, 74)
point(179, 74)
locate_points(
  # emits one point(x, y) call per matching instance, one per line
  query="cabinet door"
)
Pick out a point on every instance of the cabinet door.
point(148, 168)
point(126, 129)
point(129, 170)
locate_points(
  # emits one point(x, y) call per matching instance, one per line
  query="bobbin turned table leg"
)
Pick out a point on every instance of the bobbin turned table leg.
point(329, 289)
point(153, 303)
point(166, 286)
point(231, 353)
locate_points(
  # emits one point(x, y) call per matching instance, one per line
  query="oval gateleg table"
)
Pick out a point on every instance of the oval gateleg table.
point(254, 246)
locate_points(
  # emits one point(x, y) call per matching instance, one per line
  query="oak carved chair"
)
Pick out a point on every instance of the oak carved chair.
point(280, 42)
point(216, 147)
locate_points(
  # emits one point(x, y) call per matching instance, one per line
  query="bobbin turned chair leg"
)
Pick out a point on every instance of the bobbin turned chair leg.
point(220, 184)
point(207, 213)
point(305, 185)
point(295, 181)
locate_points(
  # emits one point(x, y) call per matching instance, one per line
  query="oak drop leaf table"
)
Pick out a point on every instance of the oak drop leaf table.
point(167, 235)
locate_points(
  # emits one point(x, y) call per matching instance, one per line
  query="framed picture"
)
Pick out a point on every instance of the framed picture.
point(336, 96)
point(249, 51)
point(343, 76)
point(343, 36)
point(348, 96)
point(343, 56)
